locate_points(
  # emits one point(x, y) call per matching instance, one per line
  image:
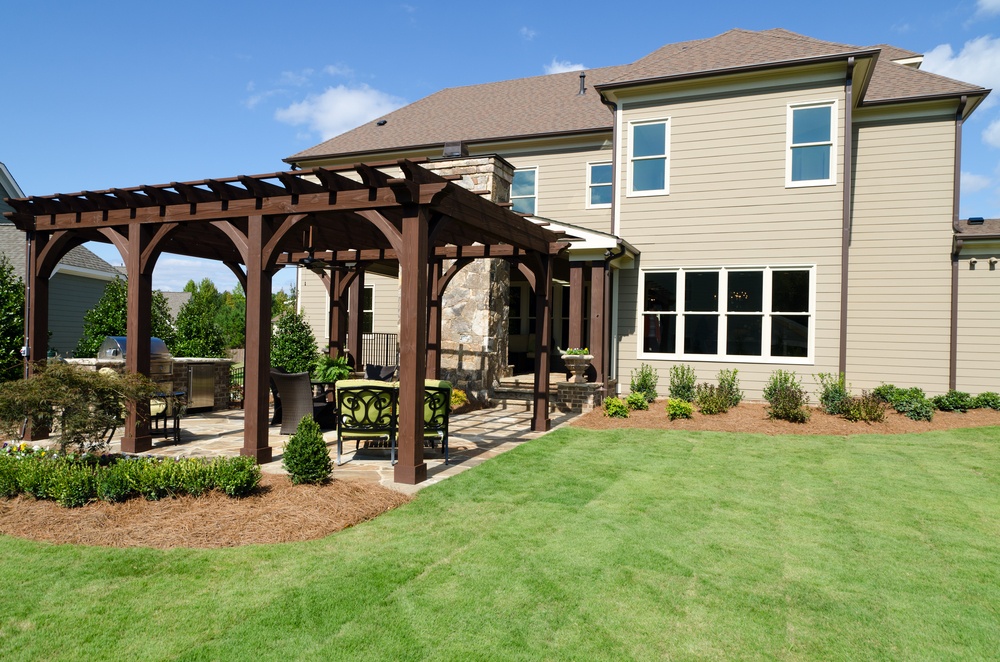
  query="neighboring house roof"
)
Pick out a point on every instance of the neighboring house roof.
point(176, 300)
point(551, 105)
point(989, 227)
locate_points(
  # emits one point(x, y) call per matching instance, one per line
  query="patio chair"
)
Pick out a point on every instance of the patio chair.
point(297, 400)
point(437, 410)
point(380, 373)
point(366, 410)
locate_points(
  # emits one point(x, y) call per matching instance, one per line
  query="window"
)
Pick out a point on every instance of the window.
point(523, 190)
point(738, 314)
point(810, 144)
point(648, 147)
point(368, 309)
point(598, 185)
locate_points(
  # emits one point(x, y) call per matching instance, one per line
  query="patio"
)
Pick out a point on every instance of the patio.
point(475, 437)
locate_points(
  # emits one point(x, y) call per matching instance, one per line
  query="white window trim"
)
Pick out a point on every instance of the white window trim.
point(834, 130)
point(524, 197)
point(590, 184)
point(809, 359)
point(666, 158)
point(372, 311)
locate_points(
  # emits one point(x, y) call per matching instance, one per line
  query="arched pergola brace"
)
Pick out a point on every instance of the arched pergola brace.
point(391, 233)
point(151, 252)
point(51, 249)
point(236, 236)
point(118, 240)
point(453, 270)
point(285, 226)
point(237, 270)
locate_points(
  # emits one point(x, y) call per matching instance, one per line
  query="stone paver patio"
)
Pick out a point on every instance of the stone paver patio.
point(474, 438)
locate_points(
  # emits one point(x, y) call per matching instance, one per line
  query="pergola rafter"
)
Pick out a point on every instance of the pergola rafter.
point(391, 211)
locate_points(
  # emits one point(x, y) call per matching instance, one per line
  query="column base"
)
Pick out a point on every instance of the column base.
point(409, 475)
point(139, 444)
point(262, 455)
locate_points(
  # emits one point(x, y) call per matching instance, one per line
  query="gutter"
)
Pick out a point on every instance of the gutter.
point(957, 248)
point(845, 240)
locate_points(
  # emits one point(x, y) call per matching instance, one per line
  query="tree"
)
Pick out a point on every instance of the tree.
point(232, 318)
point(293, 346)
point(110, 318)
point(283, 302)
point(11, 322)
point(198, 331)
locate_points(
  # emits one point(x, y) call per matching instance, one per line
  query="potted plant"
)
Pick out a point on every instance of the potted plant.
point(577, 360)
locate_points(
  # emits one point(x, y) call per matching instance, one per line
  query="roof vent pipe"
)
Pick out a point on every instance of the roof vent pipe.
point(583, 83)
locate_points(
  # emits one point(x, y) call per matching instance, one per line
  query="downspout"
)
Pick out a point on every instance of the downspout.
point(845, 241)
point(957, 247)
point(26, 349)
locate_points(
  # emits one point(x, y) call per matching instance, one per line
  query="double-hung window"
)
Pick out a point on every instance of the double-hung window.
point(649, 147)
point(753, 314)
point(811, 132)
point(368, 309)
point(598, 185)
point(523, 190)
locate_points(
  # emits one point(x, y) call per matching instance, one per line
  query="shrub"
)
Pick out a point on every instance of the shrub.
point(987, 400)
point(834, 393)
point(682, 381)
point(912, 403)
point(293, 346)
point(109, 316)
point(711, 399)
point(953, 401)
point(117, 483)
point(679, 408)
point(786, 396)
point(615, 407)
point(306, 458)
point(8, 477)
point(236, 476)
point(729, 385)
point(644, 381)
point(330, 369)
point(867, 407)
point(75, 485)
point(459, 398)
point(11, 321)
point(636, 401)
point(39, 476)
point(885, 392)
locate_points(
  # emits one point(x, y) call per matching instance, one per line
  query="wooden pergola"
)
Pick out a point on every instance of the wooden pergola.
point(398, 211)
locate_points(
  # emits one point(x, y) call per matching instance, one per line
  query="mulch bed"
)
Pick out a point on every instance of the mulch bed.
point(750, 417)
point(277, 512)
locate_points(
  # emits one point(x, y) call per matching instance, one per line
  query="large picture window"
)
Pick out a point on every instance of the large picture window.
point(751, 314)
point(523, 190)
point(811, 130)
point(648, 155)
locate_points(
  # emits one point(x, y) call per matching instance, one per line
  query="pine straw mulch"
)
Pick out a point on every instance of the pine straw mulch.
point(751, 417)
point(277, 512)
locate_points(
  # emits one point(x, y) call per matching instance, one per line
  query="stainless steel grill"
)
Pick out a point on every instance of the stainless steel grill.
point(161, 362)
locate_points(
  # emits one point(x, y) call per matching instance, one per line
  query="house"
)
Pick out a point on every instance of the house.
point(77, 282)
point(789, 202)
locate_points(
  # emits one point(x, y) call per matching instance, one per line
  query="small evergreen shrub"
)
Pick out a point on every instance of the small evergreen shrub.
point(236, 476)
point(987, 400)
point(682, 382)
point(885, 392)
point(38, 476)
point(834, 393)
point(679, 408)
point(615, 407)
point(8, 477)
point(306, 457)
point(913, 404)
point(644, 381)
point(711, 399)
point(636, 401)
point(786, 396)
point(76, 486)
point(117, 483)
point(953, 401)
point(867, 407)
point(729, 385)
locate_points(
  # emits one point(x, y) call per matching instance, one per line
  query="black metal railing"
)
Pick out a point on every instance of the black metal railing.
point(379, 349)
point(237, 381)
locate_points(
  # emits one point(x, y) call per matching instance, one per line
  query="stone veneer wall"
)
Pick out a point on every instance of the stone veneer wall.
point(474, 309)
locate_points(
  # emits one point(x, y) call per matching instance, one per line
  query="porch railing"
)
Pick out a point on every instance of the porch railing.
point(237, 379)
point(379, 349)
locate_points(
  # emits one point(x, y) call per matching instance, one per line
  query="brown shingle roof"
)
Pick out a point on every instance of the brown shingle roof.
point(989, 226)
point(546, 105)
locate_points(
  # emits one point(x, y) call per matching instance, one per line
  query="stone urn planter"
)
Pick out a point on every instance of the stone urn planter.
point(578, 364)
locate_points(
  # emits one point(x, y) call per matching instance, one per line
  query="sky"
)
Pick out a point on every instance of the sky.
point(118, 94)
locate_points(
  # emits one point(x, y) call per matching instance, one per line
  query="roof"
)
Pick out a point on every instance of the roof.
point(551, 105)
point(989, 227)
point(8, 188)
point(12, 245)
point(176, 301)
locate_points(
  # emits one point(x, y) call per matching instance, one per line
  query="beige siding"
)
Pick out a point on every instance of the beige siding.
point(314, 302)
point(728, 206)
point(978, 303)
point(386, 302)
point(900, 267)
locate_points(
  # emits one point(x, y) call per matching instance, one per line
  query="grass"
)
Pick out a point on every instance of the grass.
point(580, 545)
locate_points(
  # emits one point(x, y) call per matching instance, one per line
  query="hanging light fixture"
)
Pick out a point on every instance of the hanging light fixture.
point(310, 261)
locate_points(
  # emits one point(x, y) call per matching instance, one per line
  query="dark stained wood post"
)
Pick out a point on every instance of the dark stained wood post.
point(139, 297)
point(598, 339)
point(37, 318)
point(543, 342)
point(434, 321)
point(410, 467)
point(355, 316)
point(258, 345)
point(576, 320)
point(337, 313)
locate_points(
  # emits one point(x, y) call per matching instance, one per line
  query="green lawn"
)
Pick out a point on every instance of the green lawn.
point(580, 545)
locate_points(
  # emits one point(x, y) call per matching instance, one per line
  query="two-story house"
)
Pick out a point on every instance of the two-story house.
point(787, 203)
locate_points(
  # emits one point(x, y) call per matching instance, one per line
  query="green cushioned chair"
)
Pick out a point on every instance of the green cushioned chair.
point(437, 408)
point(366, 411)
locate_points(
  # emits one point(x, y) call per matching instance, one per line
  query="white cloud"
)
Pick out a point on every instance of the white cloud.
point(338, 109)
point(527, 33)
point(296, 78)
point(973, 183)
point(991, 135)
point(988, 7)
point(338, 70)
point(562, 66)
point(977, 62)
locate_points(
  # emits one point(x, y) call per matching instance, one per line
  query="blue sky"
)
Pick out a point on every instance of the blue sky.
point(117, 94)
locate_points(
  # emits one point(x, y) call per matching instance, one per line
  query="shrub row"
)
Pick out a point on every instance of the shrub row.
point(74, 481)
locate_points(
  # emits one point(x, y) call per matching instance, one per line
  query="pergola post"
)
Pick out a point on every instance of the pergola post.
point(37, 319)
point(139, 303)
point(337, 313)
point(355, 316)
point(543, 342)
point(576, 320)
point(434, 321)
point(410, 467)
point(598, 339)
point(258, 343)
